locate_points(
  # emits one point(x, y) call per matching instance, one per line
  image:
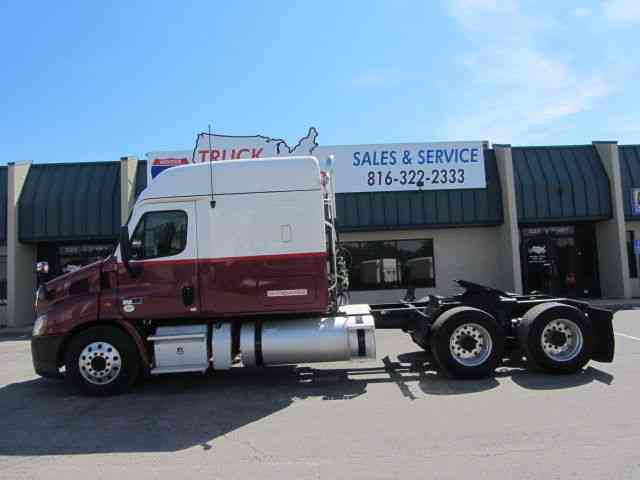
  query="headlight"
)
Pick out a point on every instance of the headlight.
point(38, 327)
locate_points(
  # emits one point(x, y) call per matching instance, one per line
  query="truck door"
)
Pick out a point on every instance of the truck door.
point(164, 244)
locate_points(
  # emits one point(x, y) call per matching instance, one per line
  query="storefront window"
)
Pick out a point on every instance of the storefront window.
point(560, 260)
point(73, 257)
point(65, 258)
point(631, 254)
point(391, 264)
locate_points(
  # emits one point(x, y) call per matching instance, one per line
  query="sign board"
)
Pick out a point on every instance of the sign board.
point(227, 147)
point(405, 167)
point(635, 201)
point(357, 168)
point(556, 231)
point(537, 254)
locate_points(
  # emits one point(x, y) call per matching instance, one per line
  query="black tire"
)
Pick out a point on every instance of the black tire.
point(530, 337)
point(120, 379)
point(444, 328)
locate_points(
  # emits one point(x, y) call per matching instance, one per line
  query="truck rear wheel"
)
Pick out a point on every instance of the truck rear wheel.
point(467, 342)
point(556, 338)
point(102, 361)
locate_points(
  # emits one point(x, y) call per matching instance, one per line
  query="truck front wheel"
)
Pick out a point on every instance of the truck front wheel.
point(467, 342)
point(102, 361)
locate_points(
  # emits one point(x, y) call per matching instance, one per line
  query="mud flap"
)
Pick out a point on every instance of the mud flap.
point(603, 330)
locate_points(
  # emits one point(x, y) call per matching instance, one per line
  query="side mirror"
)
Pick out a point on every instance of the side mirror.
point(42, 268)
point(125, 251)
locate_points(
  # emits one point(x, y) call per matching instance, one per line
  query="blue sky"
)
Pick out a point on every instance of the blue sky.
point(88, 81)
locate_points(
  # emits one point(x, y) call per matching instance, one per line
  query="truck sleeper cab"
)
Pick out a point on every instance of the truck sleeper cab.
point(256, 247)
point(247, 275)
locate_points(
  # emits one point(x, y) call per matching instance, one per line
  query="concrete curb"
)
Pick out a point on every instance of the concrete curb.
point(617, 307)
point(15, 330)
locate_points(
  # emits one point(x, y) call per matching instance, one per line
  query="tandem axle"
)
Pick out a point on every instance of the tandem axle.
point(469, 334)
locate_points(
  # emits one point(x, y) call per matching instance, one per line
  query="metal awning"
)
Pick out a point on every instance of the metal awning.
point(560, 184)
point(423, 209)
point(70, 202)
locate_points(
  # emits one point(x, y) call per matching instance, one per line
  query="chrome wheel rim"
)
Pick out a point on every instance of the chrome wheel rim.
point(562, 340)
point(100, 363)
point(470, 344)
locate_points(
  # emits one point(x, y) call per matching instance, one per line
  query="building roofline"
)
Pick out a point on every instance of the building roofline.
point(67, 164)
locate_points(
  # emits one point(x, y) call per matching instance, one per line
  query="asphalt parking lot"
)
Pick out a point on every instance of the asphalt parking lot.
point(392, 418)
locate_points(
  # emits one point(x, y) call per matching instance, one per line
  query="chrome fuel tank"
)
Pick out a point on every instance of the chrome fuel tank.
point(309, 340)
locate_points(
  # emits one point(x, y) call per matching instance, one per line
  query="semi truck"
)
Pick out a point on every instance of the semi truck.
point(238, 264)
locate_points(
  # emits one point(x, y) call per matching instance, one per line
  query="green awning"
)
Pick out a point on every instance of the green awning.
point(560, 184)
point(70, 202)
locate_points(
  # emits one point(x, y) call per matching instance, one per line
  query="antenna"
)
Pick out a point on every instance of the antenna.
point(212, 202)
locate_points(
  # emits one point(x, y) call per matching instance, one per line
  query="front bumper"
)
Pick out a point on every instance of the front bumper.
point(45, 353)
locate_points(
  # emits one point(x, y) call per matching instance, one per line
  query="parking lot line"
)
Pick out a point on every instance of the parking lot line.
point(627, 336)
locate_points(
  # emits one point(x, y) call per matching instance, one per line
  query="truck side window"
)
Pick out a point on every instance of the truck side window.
point(159, 234)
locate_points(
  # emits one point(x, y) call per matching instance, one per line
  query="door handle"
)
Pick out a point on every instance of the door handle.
point(188, 294)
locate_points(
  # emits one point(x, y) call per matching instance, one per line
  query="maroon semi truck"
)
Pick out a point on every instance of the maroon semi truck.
point(238, 264)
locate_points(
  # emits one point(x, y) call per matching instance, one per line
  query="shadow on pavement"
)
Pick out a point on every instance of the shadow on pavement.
point(432, 382)
point(542, 381)
point(174, 412)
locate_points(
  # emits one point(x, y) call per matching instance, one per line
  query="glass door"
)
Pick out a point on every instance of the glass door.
point(539, 264)
point(561, 260)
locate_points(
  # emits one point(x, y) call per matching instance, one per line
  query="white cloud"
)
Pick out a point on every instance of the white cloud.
point(516, 86)
point(622, 11)
point(581, 12)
